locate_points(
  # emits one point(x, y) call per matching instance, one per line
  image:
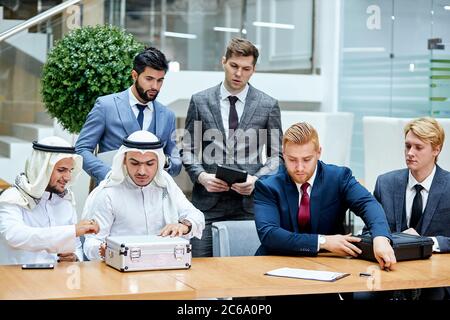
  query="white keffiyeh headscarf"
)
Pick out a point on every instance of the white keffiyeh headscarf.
point(143, 141)
point(30, 185)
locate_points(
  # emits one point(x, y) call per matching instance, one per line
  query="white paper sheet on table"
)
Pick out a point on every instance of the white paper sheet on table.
point(307, 274)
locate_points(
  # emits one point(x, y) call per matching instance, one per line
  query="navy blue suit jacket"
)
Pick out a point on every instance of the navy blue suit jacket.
point(334, 191)
point(110, 120)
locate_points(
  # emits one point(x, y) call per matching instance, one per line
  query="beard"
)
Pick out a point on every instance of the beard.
point(143, 94)
point(53, 189)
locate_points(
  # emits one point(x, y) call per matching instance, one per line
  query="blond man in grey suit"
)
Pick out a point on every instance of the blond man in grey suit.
point(233, 124)
point(416, 199)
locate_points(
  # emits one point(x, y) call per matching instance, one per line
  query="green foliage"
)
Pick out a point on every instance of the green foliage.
point(87, 63)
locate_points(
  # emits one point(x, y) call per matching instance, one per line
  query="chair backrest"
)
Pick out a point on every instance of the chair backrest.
point(384, 144)
point(335, 132)
point(234, 238)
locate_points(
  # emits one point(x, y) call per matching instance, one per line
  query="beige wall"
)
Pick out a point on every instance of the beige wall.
point(92, 12)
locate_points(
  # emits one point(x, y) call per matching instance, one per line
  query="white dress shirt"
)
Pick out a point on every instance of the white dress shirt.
point(37, 236)
point(126, 209)
point(225, 105)
point(308, 190)
point(148, 112)
point(411, 193)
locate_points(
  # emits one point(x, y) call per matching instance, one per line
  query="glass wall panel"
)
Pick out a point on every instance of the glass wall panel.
point(411, 59)
point(440, 60)
point(23, 55)
point(366, 66)
point(195, 32)
point(395, 62)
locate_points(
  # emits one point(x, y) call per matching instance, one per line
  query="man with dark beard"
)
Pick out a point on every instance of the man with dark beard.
point(118, 115)
point(38, 221)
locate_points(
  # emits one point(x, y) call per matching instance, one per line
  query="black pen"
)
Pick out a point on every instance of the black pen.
point(365, 274)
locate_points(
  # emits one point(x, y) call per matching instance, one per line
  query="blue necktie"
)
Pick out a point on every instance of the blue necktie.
point(140, 117)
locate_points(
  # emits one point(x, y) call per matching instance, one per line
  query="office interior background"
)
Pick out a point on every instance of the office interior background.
point(335, 63)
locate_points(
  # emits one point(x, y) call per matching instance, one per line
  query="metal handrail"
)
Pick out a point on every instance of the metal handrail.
point(37, 19)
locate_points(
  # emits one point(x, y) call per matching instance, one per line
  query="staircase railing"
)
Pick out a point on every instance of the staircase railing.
point(37, 19)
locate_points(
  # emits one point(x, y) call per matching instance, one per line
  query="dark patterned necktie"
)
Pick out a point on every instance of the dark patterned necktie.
point(233, 116)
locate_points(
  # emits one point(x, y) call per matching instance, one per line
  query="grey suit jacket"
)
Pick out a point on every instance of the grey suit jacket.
point(205, 144)
point(390, 191)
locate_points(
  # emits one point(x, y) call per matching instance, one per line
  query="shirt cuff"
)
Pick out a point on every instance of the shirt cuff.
point(436, 247)
point(63, 239)
point(92, 248)
point(194, 230)
point(167, 163)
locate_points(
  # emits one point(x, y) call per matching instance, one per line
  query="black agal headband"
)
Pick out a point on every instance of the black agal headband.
point(142, 145)
point(53, 149)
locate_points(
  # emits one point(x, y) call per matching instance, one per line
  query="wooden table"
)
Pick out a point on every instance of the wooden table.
point(244, 276)
point(88, 280)
point(4, 185)
point(217, 277)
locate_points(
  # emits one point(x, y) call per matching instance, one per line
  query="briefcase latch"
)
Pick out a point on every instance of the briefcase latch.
point(179, 252)
point(135, 253)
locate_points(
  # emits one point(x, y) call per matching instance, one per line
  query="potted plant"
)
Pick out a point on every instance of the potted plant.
point(87, 63)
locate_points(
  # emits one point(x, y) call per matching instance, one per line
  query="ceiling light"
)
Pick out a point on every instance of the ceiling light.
point(273, 25)
point(225, 29)
point(180, 35)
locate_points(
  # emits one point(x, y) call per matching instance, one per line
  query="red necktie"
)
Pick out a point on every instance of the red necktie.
point(303, 209)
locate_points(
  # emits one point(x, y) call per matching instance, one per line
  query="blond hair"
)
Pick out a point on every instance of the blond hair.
point(301, 133)
point(241, 47)
point(428, 130)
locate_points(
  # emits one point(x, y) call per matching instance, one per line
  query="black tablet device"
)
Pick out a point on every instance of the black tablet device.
point(230, 175)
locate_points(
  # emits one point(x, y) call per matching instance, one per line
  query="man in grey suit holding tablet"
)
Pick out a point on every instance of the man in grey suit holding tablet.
point(232, 124)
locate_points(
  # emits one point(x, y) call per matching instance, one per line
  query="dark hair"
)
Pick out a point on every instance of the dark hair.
point(241, 47)
point(150, 57)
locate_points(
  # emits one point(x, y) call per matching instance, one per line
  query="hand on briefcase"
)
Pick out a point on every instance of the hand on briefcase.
point(150, 252)
point(406, 246)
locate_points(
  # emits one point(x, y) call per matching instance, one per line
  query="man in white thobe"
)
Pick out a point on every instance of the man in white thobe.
point(38, 221)
point(138, 197)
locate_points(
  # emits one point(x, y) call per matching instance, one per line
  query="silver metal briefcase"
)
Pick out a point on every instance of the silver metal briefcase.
point(138, 253)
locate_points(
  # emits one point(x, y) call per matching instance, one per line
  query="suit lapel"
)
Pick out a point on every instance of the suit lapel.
point(251, 104)
point(399, 200)
point(436, 191)
point(126, 114)
point(316, 193)
point(158, 114)
point(292, 196)
point(214, 107)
